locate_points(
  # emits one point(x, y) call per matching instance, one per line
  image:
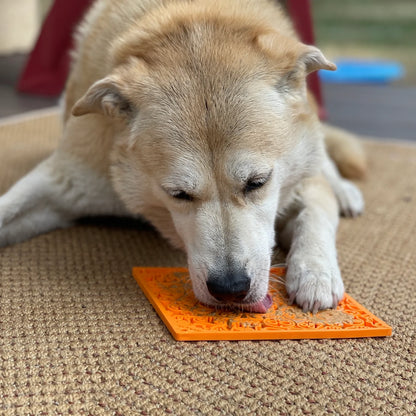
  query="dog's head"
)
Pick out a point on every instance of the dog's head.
point(213, 133)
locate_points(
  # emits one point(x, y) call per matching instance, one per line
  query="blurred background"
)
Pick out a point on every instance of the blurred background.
point(370, 29)
point(372, 41)
point(376, 31)
point(20, 21)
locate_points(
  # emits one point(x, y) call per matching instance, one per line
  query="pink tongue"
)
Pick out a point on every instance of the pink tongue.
point(261, 306)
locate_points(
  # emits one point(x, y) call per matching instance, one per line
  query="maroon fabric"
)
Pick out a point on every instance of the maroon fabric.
point(47, 68)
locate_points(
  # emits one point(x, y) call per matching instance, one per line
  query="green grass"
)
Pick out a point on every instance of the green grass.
point(374, 28)
point(371, 22)
point(366, 32)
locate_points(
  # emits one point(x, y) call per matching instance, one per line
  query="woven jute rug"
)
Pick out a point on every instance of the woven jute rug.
point(77, 336)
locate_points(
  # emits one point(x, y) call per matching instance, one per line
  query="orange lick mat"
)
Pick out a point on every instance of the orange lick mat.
point(170, 292)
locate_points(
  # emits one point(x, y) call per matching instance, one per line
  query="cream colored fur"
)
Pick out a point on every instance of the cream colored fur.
point(194, 115)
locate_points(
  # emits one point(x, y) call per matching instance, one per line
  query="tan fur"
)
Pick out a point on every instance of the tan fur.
point(344, 148)
point(195, 115)
point(346, 151)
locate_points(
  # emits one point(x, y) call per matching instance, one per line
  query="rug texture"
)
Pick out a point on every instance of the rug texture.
point(77, 336)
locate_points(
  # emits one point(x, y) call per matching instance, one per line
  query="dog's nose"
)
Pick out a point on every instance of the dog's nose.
point(229, 287)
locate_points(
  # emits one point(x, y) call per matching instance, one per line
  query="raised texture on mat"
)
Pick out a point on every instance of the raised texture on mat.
point(170, 292)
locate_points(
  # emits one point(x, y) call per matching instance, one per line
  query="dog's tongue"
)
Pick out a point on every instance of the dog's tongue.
point(262, 306)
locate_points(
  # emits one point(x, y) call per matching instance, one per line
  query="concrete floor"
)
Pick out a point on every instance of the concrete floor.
point(384, 111)
point(12, 102)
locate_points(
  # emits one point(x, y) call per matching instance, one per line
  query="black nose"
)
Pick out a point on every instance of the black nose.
point(229, 287)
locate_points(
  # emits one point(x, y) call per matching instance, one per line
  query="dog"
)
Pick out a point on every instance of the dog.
point(195, 115)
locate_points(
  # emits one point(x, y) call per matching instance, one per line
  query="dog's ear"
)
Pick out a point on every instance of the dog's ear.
point(104, 97)
point(313, 59)
point(292, 56)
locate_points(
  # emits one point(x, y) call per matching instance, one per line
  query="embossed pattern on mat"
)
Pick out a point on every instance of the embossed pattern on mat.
point(78, 337)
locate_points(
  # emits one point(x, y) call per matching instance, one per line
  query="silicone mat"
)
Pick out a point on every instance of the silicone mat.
point(170, 292)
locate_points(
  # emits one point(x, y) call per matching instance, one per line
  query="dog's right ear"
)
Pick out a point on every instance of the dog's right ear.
point(105, 97)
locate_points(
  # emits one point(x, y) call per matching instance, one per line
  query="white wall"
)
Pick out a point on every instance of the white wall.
point(20, 21)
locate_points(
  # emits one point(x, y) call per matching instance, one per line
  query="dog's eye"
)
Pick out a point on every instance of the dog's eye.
point(182, 195)
point(253, 184)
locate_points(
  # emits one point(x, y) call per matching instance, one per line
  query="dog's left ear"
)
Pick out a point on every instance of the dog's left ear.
point(291, 56)
point(104, 97)
point(313, 59)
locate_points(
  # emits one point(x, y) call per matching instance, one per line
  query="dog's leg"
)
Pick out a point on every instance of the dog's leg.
point(349, 197)
point(344, 154)
point(308, 229)
point(52, 195)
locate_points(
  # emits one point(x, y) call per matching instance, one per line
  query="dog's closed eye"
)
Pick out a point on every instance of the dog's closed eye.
point(181, 195)
point(256, 182)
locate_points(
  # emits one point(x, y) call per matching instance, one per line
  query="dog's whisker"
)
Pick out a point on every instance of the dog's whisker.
point(278, 265)
point(279, 279)
point(277, 282)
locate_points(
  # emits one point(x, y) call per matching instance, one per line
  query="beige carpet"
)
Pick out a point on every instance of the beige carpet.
point(78, 337)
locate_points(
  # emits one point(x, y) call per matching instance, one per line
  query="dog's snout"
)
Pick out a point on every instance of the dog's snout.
point(229, 287)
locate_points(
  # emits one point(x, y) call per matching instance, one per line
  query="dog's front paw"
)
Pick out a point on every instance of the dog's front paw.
point(313, 285)
point(350, 199)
